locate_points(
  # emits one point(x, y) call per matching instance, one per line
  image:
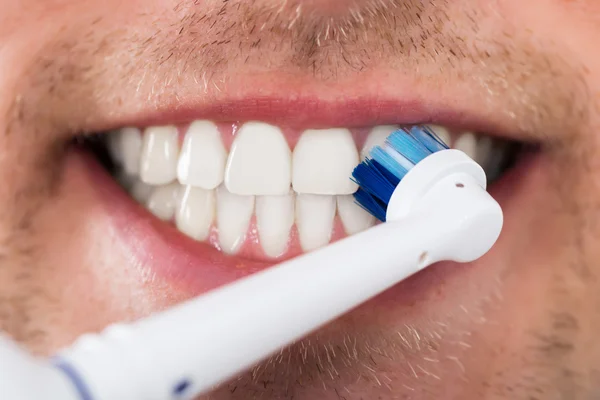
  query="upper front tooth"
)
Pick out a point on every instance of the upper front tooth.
point(259, 161)
point(323, 162)
point(377, 137)
point(233, 218)
point(196, 212)
point(203, 156)
point(163, 201)
point(467, 143)
point(159, 155)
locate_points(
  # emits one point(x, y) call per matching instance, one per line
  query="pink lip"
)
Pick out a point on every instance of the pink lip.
point(303, 112)
point(312, 112)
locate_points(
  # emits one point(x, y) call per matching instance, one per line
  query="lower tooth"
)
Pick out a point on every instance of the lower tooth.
point(354, 218)
point(196, 212)
point(163, 201)
point(274, 219)
point(126, 180)
point(141, 191)
point(314, 219)
point(233, 218)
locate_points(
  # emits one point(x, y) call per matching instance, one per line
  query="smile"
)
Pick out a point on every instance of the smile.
point(253, 193)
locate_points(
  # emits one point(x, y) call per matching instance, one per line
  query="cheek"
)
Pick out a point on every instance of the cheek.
point(85, 277)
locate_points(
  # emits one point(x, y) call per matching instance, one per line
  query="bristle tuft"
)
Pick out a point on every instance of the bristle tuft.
point(429, 139)
point(371, 204)
point(379, 175)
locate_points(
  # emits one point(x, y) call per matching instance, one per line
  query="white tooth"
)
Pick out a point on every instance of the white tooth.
point(203, 156)
point(114, 147)
point(126, 148)
point(160, 151)
point(354, 218)
point(484, 150)
point(196, 212)
point(125, 180)
point(259, 161)
point(274, 219)
point(323, 162)
point(314, 220)
point(442, 133)
point(141, 192)
point(494, 162)
point(377, 137)
point(163, 201)
point(467, 143)
point(233, 217)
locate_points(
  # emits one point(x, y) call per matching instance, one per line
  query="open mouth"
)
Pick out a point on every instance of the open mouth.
point(257, 192)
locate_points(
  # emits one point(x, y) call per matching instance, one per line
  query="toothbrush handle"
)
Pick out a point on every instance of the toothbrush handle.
point(187, 350)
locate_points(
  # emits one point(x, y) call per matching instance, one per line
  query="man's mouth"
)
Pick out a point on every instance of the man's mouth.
point(261, 192)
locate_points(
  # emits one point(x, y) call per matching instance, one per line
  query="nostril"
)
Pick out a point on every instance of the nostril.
point(460, 185)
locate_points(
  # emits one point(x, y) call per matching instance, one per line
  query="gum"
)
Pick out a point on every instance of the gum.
point(228, 132)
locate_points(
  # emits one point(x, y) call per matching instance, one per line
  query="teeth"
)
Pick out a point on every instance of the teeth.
point(274, 219)
point(233, 217)
point(203, 156)
point(314, 220)
point(442, 133)
point(125, 180)
point(141, 192)
point(484, 150)
point(259, 161)
point(323, 162)
point(126, 147)
point(163, 201)
point(205, 185)
point(377, 137)
point(159, 155)
point(196, 212)
point(467, 143)
point(114, 147)
point(354, 218)
point(494, 161)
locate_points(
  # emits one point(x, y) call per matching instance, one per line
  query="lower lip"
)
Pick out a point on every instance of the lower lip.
point(194, 268)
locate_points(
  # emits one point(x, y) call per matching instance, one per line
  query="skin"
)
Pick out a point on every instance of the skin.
point(521, 323)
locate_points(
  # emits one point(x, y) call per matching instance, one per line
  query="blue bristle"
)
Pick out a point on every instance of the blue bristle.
point(393, 179)
point(370, 204)
point(408, 146)
point(369, 176)
point(387, 161)
point(428, 138)
point(378, 176)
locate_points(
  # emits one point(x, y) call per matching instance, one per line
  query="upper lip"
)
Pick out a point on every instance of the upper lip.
point(314, 105)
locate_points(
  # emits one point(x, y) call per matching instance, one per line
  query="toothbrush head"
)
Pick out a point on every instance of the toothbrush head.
point(379, 175)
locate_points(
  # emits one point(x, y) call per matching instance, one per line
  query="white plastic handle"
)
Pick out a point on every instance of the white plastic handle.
point(187, 350)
